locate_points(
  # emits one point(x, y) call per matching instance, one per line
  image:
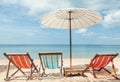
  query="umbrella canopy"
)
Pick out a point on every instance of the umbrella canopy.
point(71, 18)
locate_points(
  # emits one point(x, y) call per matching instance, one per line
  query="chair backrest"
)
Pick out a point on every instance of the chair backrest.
point(101, 60)
point(51, 60)
point(21, 60)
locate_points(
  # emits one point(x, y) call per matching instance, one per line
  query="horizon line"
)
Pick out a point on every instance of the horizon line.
point(59, 44)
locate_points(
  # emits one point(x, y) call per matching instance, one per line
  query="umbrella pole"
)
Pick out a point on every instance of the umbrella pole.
point(70, 39)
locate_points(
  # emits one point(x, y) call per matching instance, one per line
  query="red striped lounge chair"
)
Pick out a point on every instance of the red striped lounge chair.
point(51, 61)
point(99, 62)
point(20, 61)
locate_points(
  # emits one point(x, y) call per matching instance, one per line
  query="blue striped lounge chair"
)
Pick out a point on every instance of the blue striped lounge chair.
point(50, 60)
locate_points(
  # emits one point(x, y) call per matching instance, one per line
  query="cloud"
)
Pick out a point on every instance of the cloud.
point(99, 5)
point(109, 38)
point(84, 32)
point(36, 6)
point(109, 10)
point(104, 37)
point(112, 19)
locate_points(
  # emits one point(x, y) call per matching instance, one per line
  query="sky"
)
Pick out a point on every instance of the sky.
point(20, 22)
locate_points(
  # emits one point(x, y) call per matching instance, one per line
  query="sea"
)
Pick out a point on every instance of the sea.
point(78, 51)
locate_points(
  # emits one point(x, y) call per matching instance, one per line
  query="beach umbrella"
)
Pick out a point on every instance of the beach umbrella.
point(71, 18)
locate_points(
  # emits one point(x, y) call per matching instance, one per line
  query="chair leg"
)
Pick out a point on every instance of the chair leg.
point(30, 76)
point(100, 69)
point(14, 73)
point(93, 72)
point(39, 72)
point(21, 71)
point(41, 75)
point(111, 73)
point(84, 71)
point(8, 78)
point(61, 73)
point(36, 69)
point(113, 68)
point(8, 69)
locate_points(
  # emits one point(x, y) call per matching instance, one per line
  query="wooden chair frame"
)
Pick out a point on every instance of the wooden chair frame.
point(32, 67)
point(43, 67)
point(93, 69)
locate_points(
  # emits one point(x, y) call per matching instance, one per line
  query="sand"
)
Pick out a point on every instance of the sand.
point(81, 62)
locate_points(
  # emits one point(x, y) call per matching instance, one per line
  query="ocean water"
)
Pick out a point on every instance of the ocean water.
point(78, 51)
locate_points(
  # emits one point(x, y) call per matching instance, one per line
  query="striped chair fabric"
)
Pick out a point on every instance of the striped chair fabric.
point(102, 60)
point(21, 60)
point(51, 61)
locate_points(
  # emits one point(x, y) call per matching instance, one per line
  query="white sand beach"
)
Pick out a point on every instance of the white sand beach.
point(80, 62)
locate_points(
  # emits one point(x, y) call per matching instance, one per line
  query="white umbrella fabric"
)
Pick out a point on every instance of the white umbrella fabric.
point(71, 18)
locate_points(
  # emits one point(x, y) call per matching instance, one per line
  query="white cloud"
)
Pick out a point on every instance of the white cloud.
point(84, 32)
point(112, 19)
point(88, 34)
point(104, 37)
point(99, 5)
point(109, 9)
point(109, 38)
point(35, 6)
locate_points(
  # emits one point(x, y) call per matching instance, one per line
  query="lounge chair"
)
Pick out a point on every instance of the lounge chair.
point(99, 62)
point(20, 61)
point(51, 61)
